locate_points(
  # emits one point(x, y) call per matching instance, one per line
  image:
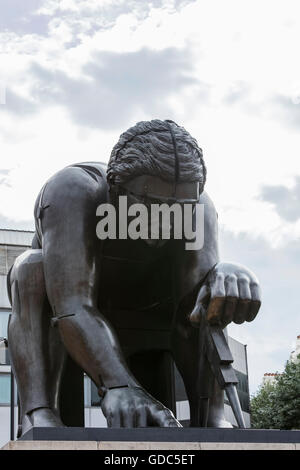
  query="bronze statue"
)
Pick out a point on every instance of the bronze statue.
point(65, 288)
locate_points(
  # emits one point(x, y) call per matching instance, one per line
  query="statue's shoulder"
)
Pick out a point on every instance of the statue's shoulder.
point(207, 201)
point(88, 171)
point(96, 170)
point(81, 175)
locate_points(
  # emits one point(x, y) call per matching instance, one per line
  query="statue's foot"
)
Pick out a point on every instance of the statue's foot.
point(219, 423)
point(40, 418)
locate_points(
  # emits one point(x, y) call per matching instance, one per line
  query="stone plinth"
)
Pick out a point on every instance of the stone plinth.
point(155, 439)
point(173, 446)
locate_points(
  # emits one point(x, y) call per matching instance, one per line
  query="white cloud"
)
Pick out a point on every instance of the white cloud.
point(241, 104)
point(244, 59)
point(48, 147)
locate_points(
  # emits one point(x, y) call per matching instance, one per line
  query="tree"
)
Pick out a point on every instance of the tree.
point(261, 407)
point(277, 405)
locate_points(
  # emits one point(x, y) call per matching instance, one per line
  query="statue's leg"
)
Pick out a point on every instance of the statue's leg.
point(194, 370)
point(36, 351)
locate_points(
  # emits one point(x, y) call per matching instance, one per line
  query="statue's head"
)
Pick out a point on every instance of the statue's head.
point(160, 149)
point(157, 162)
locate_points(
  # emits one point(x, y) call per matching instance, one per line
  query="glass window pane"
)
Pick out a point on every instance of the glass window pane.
point(4, 388)
point(3, 261)
point(95, 399)
point(87, 391)
point(3, 353)
point(3, 323)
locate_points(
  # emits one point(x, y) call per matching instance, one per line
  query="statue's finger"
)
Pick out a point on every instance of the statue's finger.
point(217, 287)
point(165, 419)
point(253, 310)
point(141, 417)
point(244, 288)
point(214, 312)
point(114, 421)
point(174, 423)
point(241, 311)
point(128, 419)
point(215, 307)
point(256, 300)
point(229, 310)
point(203, 296)
point(232, 293)
point(255, 291)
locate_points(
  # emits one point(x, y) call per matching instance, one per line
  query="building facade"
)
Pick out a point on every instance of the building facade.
point(15, 242)
point(294, 354)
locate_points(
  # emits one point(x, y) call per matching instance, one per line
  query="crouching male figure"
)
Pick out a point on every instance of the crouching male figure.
point(65, 288)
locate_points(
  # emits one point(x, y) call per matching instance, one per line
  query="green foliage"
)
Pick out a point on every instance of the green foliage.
point(277, 405)
point(261, 406)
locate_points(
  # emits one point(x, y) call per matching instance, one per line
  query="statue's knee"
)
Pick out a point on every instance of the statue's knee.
point(67, 312)
point(27, 275)
point(29, 265)
point(56, 319)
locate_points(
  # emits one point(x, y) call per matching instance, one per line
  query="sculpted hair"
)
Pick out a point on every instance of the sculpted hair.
point(148, 149)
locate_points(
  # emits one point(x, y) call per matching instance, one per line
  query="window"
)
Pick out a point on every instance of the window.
point(91, 397)
point(4, 389)
point(87, 391)
point(8, 254)
point(95, 399)
point(3, 323)
point(4, 354)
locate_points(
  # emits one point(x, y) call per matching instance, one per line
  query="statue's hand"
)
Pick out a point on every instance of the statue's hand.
point(231, 293)
point(133, 407)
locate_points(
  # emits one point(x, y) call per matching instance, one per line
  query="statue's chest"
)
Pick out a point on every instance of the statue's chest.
point(133, 277)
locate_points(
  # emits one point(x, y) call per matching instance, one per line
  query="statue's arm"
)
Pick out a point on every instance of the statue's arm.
point(228, 291)
point(194, 265)
point(71, 267)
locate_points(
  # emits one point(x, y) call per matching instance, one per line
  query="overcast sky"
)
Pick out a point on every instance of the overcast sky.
point(74, 74)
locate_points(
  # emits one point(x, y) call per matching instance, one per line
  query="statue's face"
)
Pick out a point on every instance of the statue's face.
point(156, 190)
point(149, 190)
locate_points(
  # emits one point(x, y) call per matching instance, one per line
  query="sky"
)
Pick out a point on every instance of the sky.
point(74, 74)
